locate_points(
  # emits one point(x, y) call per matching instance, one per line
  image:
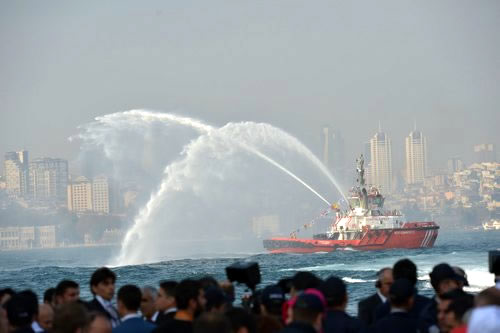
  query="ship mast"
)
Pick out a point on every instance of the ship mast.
point(361, 171)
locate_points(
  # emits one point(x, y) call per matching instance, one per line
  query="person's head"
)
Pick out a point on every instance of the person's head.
point(70, 318)
point(148, 300)
point(102, 283)
point(212, 323)
point(302, 281)
point(20, 310)
point(166, 296)
point(216, 300)
point(189, 296)
point(309, 308)
point(49, 296)
point(442, 307)
point(208, 281)
point(98, 323)
point(444, 279)
point(463, 282)
point(384, 281)
point(67, 291)
point(5, 295)
point(335, 292)
point(45, 316)
point(241, 321)
point(456, 310)
point(128, 300)
point(272, 299)
point(405, 269)
point(489, 296)
point(402, 294)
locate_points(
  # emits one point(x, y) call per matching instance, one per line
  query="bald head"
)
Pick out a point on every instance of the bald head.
point(45, 316)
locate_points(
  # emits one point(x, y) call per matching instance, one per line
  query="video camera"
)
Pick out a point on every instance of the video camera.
point(244, 272)
point(494, 262)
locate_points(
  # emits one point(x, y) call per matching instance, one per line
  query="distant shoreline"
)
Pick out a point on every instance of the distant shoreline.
point(65, 246)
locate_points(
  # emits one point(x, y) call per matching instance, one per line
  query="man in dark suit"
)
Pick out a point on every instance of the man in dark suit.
point(336, 319)
point(401, 299)
point(404, 269)
point(367, 306)
point(129, 302)
point(102, 286)
point(165, 304)
point(190, 299)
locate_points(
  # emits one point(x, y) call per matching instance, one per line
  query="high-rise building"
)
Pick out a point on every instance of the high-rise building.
point(89, 196)
point(416, 157)
point(100, 194)
point(485, 152)
point(16, 173)
point(455, 164)
point(381, 162)
point(48, 180)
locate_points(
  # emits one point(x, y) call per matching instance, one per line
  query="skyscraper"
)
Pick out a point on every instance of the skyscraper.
point(48, 180)
point(89, 196)
point(16, 173)
point(381, 162)
point(416, 157)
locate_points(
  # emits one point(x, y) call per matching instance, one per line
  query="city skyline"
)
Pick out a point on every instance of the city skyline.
point(293, 66)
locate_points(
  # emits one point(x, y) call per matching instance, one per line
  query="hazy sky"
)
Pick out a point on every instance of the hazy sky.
point(295, 64)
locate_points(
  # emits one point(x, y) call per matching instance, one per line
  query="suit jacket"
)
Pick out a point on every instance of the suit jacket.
point(134, 325)
point(340, 322)
point(396, 322)
point(366, 309)
point(428, 317)
point(162, 317)
point(94, 305)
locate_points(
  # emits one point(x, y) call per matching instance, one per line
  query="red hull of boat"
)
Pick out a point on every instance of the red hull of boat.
point(411, 236)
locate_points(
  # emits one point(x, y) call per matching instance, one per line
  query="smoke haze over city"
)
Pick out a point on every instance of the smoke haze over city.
point(294, 64)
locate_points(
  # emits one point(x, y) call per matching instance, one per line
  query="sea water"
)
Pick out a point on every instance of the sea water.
point(43, 268)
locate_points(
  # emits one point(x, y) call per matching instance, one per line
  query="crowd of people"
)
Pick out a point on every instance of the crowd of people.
point(304, 303)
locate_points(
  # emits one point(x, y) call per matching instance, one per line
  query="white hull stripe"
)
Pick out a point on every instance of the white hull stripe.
point(426, 237)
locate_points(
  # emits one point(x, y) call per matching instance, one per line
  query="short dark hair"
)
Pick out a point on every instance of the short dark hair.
point(20, 312)
point(334, 290)
point(100, 275)
point(460, 305)
point(69, 317)
point(7, 291)
point(405, 269)
point(185, 291)
point(130, 295)
point(305, 280)
point(453, 294)
point(212, 323)
point(64, 285)
point(400, 292)
point(208, 281)
point(31, 299)
point(48, 295)
point(169, 287)
point(240, 318)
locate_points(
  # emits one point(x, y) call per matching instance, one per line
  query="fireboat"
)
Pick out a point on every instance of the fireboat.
point(364, 225)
